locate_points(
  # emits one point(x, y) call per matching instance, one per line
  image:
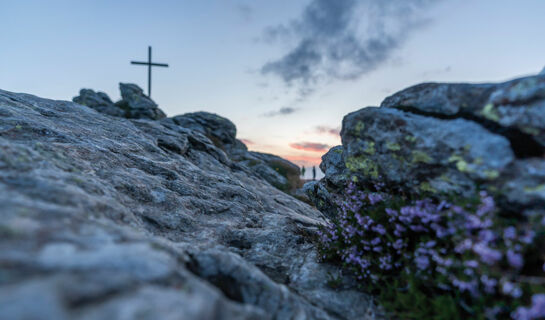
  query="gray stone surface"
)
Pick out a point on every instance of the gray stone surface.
point(434, 139)
point(111, 218)
point(136, 104)
point(515, 109)
point(98, 101)
point(279, 172)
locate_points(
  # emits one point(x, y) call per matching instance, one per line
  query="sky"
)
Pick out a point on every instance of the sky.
point(284, 71)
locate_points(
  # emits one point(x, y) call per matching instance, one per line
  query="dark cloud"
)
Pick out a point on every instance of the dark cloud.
point(343, 39)
point(281, 112)
point(310, 146)
point(328, 130)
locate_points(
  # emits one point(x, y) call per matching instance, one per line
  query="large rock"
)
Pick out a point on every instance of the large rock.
point(279, 172)
point(133, 105)
point(110, 218)
point(136, 104)
point(219, 129)
point(98, 101)
point(514, 109)
point(438, 139)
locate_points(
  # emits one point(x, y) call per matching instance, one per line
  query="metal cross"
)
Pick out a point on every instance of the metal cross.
point(150, 64)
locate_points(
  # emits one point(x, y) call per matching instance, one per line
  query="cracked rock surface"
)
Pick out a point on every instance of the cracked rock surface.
point(104, 217)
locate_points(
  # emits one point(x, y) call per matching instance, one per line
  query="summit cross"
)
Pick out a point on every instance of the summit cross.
point(150, 64)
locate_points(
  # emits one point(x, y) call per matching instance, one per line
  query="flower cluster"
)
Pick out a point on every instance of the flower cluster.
point(460, 249)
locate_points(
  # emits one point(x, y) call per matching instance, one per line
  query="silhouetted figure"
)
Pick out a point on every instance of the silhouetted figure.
point(303, 170)
point(313, 172)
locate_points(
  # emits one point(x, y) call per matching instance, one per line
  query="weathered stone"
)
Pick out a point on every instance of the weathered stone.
point(218, 129)
point(105, 217)
point(333, 166)
point(438, 139)
point(136, 104)
point(98, 101)
point(277, 171)
point(420, 153)
point(515, 109)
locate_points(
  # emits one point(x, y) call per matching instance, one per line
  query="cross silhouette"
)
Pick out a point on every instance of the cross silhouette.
point(150, 64)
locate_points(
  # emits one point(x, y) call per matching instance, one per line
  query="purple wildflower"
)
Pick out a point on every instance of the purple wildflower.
point(515, 259)
point(487, 255)
point(509, 288)
point(422, 262)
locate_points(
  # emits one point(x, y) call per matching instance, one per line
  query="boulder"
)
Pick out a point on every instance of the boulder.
point(136, 104)
point(218, 129)
point(279, 172)
point(133, 105)
point(107, 217)
point(438, 139)
point(514, 109)
point(98, 101)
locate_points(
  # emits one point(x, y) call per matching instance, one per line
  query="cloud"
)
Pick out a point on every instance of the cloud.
point(343, 39)
point(310, 146)
point(281, 112)
point(328, 130)
point(247, 142)
point(245, 11)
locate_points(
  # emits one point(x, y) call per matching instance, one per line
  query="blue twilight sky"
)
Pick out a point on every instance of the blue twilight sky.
point(284, 71)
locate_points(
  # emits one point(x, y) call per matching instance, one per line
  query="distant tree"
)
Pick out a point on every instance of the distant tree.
point(303, 170)
point(313, 172)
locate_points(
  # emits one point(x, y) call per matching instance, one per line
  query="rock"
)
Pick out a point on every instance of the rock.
point(514, 109)
point(542, 71)
point(333, 166)
point(98, 101)
point(133, 105)
point(438, 139)
point(218, 129)
point(136, 104)
point(106, 217)
point(279, 172)
point(422, 153)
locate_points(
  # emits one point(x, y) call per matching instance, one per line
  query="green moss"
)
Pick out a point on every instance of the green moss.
point(410, 138)
point(537, 188)
point(369, 147)
point(420, 156)
point(491, 174)
point(18, 127)
point(392, 146)
point(490, 113)
point(426, 187)
point(530, 131)
point(338, 150)
point(358, 128)
point(362, 164)
point(461, 164)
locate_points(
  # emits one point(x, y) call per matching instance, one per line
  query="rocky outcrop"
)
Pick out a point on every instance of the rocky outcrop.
point(133, 105)
point(279, 172)
point(111, 218)
point(98, 101)
point(437, 139)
